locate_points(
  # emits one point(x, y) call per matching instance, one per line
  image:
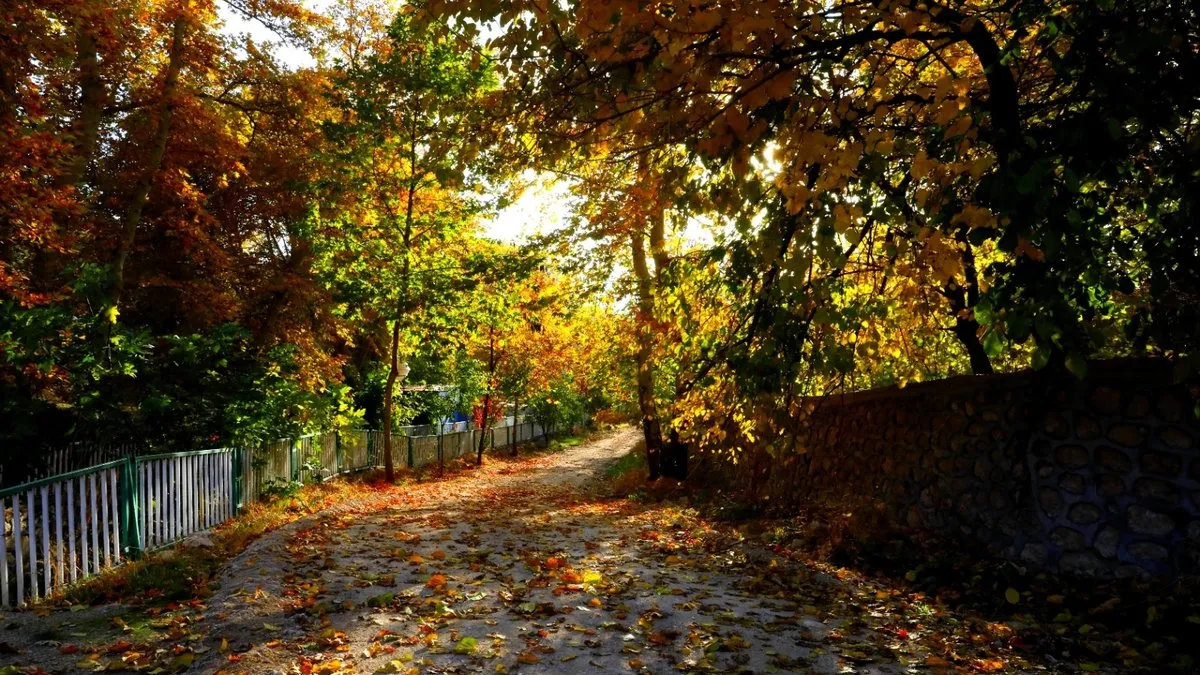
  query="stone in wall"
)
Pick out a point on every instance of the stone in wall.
point(1113, 459)
point(1072, 456)
point(1149, 522)
point(1128, 435)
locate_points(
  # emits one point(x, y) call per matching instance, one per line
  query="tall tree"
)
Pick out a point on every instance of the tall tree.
point(402, 135)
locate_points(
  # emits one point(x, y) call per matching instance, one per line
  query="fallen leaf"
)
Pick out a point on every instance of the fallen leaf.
point(1012, 596)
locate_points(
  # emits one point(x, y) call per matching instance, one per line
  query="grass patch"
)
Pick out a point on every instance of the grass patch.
point(628, 474)
point(635, 461)
point(568, 442)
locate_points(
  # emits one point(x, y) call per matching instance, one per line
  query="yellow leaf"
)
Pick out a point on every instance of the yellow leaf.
point(1012, 596)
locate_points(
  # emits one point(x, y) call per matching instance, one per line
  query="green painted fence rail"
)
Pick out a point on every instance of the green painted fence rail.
point(60, 530)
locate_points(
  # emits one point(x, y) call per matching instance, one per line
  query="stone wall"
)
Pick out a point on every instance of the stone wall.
point(1099, 477)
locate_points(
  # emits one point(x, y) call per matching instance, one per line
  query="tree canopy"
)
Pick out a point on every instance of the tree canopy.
point(202, 243)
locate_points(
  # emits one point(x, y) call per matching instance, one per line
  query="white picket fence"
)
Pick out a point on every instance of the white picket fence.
point(60, 530)
point(44, 555)
point(182, 494)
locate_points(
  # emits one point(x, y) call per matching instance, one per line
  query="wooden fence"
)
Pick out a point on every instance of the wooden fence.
point(62, 529)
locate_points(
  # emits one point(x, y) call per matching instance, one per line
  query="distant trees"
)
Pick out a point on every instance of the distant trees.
point(201, 245)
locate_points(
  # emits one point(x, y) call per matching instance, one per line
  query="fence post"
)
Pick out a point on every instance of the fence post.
point(238, 464)
point(337, 448)
point(131, 533)
point(411, 465)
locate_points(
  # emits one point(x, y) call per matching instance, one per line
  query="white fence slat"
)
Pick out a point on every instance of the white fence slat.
point(213, 470)
point(225, 466)
point(3, 555)
point(221, 463)
point(224, 463)
point(83, 528)
point(160, 495)
point(142, 487)
point(185, 486)
point(146, 499)
point(31, 530)
point(61, 574)
point(71, 529)
point(46, 562)
point(190, 462)
point(210, 496)
point(155, 500)
point(103, 523)
point(191, 488)
point(16, 500)
point(168, 501)
point(173, 492)
point(218, 462)
point(115, 523)
point(160, 502)
point(180, 494)
point(202, 479)
point(94, 523)
point(231, 471)
point(218, 480)
point(156, 505)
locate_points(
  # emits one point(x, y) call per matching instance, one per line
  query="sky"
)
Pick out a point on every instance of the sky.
point(543, 207)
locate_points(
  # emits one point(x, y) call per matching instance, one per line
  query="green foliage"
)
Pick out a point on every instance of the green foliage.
point(178, 392)
point(559, 407)
point(281, 488)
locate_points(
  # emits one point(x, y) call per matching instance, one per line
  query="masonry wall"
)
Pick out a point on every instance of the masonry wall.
point(1097, 478)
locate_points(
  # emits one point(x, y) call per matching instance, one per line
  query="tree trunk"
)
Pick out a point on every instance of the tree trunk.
point(92, 96)
point(389, 468)
point(133, 214)
point(675, 457)
point(962, 298)
point(393, 372)
point(517, 422)
point(651, 428)
point(487, 396)
point(967, 332)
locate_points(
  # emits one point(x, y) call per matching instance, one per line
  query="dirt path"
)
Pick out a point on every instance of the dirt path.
point(525, 571)
point(520, 568)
